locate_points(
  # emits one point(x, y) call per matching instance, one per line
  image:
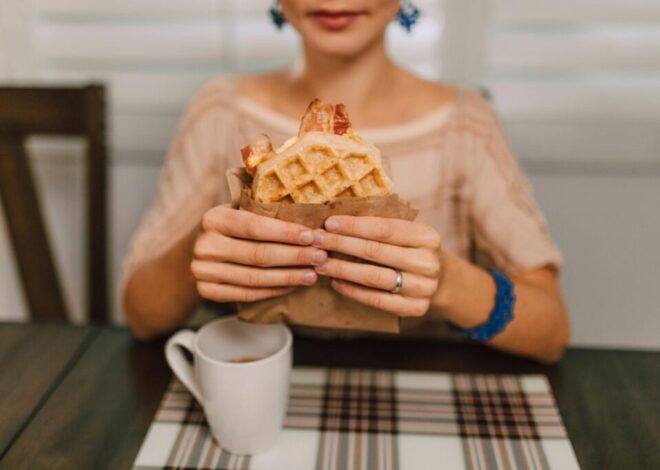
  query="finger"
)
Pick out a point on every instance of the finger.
point(236, 274)
point(393, 231)
point(229, 293)
point(414, 260)
point(243, 224)
point(377, 277)
point(393, 303)
point(262, 254)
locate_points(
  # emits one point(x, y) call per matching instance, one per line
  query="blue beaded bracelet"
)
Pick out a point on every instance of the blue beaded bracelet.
point(500, 316)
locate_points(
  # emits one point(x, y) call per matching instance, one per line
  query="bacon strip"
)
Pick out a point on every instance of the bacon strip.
point(341, 122)
point(253, 155)
point(317, 118)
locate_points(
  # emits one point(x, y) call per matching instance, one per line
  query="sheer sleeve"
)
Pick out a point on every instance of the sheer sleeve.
point(192, 179)
point(508, 226)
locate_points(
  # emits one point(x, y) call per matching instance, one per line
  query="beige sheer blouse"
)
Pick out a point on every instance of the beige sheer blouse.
point(453, 164)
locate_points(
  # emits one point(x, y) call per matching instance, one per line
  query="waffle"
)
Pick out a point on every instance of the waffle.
point(325, 161)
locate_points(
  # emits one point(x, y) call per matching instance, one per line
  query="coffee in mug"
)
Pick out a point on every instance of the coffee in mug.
point(241, 360)
point(240, 375)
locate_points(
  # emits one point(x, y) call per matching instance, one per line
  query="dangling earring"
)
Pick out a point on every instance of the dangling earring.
point(276, 14)
point(408, 14)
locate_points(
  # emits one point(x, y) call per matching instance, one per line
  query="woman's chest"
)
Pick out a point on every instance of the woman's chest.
point(427, 174)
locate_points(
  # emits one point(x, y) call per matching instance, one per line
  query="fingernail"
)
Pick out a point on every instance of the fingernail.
point(318, 237)
point(307, 237)
point(321, 268)
point(319, 257)
point(309, 277)
point(336, 284)
point(331, 224)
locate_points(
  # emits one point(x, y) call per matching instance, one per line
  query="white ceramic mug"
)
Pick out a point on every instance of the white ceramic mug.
point(244, 402)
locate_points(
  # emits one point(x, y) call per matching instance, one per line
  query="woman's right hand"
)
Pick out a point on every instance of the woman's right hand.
point(243, 257)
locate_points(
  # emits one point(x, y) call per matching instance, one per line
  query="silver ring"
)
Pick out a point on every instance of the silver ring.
point(399, 282)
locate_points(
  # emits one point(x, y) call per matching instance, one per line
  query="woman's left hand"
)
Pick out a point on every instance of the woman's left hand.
point(409, 247)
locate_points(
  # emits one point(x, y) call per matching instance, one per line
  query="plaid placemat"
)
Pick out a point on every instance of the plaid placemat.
point(352, 419)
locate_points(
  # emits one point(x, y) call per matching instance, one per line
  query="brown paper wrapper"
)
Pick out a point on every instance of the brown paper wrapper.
point(318, 305)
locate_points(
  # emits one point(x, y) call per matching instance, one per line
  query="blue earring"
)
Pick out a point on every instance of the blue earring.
point(408, 14)
point(276, 14)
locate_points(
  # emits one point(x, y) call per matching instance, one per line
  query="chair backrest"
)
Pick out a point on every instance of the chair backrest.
point(63, 112)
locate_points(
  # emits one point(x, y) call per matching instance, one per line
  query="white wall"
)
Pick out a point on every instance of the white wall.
point(608, 227)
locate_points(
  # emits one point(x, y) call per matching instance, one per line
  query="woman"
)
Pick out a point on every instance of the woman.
point(447, 155)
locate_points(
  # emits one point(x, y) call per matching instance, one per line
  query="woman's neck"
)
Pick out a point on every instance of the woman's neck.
point(359, 82)
point(376, 92)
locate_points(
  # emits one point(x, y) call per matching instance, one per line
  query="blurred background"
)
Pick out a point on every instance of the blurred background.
point(576, 82)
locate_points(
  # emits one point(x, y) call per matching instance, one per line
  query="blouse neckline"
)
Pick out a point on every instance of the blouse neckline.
point(423, 125)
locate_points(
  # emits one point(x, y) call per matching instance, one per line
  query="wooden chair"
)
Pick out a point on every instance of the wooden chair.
point(63, 112)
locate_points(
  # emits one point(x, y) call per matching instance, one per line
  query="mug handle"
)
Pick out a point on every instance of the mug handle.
point(179, 364)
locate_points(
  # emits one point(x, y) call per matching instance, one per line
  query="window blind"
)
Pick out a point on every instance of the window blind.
point(572, 79)
point(578, 80)
point(154, 54)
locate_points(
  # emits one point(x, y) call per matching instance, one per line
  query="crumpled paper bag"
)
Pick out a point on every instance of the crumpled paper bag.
point(318, 305)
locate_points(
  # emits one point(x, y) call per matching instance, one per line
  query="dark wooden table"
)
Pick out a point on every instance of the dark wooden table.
point(83, 397)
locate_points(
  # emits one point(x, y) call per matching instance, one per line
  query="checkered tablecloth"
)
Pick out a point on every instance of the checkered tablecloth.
point(352, 419)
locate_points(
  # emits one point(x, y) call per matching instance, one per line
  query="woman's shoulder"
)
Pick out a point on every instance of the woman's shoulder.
point(220, 89)
point(474, 112)
point(223, 91)
point(470, 105)
point(219, 86)
point(420, 97)
point(262, 87)
point(215, 97)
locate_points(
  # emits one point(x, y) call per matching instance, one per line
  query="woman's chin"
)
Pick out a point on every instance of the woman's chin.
point(337, 45)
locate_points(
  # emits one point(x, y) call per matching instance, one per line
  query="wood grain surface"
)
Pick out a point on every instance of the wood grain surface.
point(101, 410)
point(33, 359)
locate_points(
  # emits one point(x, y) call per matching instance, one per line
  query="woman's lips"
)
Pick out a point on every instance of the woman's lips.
point(335, 20)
